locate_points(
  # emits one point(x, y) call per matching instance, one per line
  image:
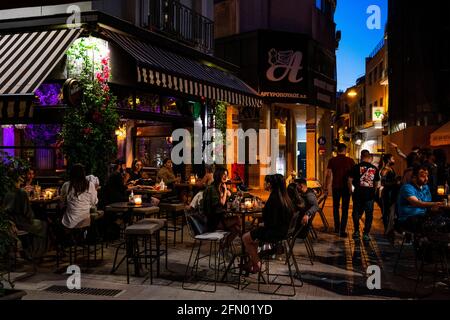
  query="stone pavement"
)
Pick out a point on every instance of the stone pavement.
point(338, 273)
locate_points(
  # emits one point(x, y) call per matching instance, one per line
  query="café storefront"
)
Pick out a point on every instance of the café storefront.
point(160, 86)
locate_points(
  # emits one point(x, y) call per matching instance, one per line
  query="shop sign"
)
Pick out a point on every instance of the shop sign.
point(322, 141)
point(72, 92)
point(322, 150)
point(283, 65)
point(377, 114)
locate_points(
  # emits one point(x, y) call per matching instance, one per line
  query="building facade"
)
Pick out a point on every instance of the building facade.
point(286, 51)
point(163, 75)
point(419, 72)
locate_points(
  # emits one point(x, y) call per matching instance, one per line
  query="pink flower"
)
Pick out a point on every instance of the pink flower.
point(87, 131)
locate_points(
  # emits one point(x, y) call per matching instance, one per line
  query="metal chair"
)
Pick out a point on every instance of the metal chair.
point(264, 274)
point(216, 240)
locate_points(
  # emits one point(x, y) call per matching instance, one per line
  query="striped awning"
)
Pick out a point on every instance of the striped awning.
point(162, 68)
point(26, 59)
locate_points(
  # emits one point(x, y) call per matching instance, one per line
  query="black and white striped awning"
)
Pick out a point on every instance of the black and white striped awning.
point(14, 108)
point(26, 59)
point(162, 68)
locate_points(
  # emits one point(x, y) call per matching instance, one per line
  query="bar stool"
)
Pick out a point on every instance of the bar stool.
point(143, 213)
point(173, 211)
point(145, 229)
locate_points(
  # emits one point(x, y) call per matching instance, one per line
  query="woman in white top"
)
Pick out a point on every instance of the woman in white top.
point(79, 196)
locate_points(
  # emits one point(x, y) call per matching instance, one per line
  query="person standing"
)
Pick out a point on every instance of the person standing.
point(336, 180)
point(390, 185)
point(365, 177)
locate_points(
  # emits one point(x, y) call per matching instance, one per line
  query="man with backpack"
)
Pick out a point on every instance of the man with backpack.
point(365, 178)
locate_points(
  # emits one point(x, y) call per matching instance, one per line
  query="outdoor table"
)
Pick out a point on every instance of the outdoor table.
point(243, 213)
point(151, 191)
point(41, 201)
point(40, 206)
point(129, 207)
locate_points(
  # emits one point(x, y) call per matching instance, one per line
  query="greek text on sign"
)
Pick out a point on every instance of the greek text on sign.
point(289, 62)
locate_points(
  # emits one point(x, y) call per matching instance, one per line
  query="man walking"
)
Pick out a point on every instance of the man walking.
point(365, 177)
point(336, 179)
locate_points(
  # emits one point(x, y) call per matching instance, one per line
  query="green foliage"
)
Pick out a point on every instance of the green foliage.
point(7, 235)
point(11, 168)
point(221, 117)
point(88, 130)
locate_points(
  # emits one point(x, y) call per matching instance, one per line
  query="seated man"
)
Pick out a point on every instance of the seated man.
point(310, 200)
point(415, 201)
point(166, 173)
point(17, 206)
point(29, 181)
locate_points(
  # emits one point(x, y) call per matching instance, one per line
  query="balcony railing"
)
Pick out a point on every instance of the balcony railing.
point(174, 19)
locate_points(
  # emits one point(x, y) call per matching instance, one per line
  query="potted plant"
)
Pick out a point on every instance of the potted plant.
point(10, 167)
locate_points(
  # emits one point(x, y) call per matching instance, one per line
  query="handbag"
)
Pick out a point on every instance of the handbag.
point(198, 223)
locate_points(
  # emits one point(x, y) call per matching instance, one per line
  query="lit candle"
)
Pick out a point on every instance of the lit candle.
point(192, 179)
point(138, 200)
point(441, 190)
point(248, 203)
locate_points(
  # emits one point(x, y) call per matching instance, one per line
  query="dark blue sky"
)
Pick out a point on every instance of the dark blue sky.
point(358, 41)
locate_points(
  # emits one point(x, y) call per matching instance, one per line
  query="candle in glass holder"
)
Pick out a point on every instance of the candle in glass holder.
point(192, 179)
point(138, 200)
point(441, 190)
point(248, 203)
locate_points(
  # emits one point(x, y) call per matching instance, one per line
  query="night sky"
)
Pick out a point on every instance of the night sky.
point(357, 40)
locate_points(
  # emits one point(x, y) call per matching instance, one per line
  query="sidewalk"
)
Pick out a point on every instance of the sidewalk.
point(339, 272)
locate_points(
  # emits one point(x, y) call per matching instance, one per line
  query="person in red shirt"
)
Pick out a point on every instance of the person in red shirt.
point(338, 171)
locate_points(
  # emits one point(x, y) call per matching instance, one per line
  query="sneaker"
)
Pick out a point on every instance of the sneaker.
point(356, 236)
point(366, 237)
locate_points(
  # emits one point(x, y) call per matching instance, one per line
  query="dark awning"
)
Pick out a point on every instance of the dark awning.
point(162, 68)
point(26, 59)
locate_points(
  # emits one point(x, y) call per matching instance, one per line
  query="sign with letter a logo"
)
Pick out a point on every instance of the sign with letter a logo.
point(285, 64)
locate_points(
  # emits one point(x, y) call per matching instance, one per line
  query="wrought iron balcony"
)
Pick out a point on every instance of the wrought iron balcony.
point(177, 21)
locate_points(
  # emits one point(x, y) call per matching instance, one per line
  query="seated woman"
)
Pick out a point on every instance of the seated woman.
point(17, 206)
point(277, 216)
point(79, 196)
point(214, 206)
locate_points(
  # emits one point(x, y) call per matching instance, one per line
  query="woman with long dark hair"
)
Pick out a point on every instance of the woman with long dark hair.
point(277, 215)
point(79, 196)
point(215, 200)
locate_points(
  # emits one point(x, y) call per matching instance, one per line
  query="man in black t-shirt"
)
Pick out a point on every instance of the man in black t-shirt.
point(364, 177)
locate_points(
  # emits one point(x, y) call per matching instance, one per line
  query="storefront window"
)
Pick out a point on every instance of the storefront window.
point(49, 94)
point(170, 106)
point(153, 150)
point(148, 102)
